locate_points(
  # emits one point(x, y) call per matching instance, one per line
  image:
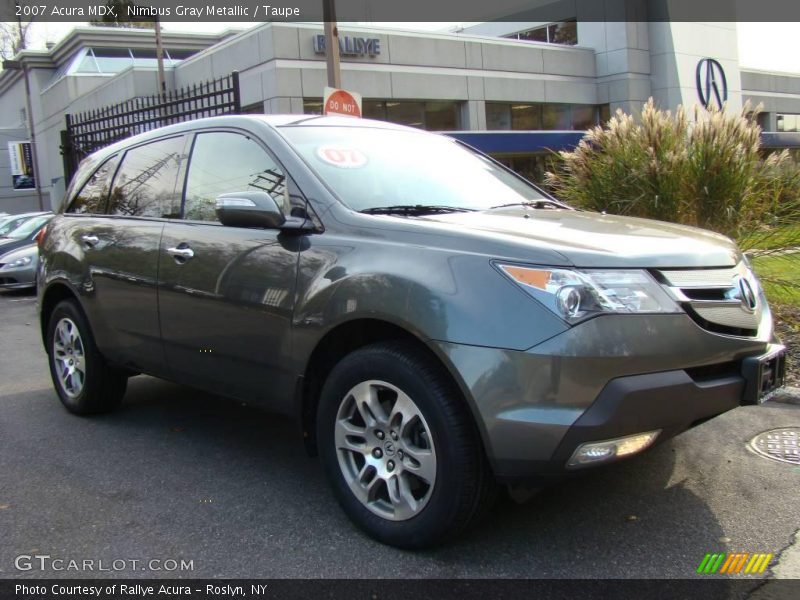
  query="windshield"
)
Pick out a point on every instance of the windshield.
point(28, 227)
point(9, 225)
point(372, 168)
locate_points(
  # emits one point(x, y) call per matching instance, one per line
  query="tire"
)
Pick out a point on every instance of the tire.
point(86, 385)
point(409, 475)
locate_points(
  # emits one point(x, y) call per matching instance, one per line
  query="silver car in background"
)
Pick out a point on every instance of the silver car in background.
point(18, 267)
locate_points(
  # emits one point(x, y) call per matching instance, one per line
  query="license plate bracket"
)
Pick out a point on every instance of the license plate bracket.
point(764, 374)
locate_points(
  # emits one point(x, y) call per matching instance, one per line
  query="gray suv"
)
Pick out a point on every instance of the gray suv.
point(436, 324)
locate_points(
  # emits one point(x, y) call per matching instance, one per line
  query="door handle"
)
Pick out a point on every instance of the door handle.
point(90, 240)
point(180, 254)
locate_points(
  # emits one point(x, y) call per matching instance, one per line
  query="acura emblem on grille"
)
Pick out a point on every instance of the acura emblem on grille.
point(746, 294)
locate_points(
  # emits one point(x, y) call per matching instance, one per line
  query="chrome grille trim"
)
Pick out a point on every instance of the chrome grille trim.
point(702, 278)
point(723, 315)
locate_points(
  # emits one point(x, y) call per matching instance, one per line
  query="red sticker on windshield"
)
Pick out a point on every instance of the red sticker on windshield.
point(345, 158)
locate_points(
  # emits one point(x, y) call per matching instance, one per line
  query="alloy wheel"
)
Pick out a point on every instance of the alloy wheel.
point(69, 357)
point(385, 450)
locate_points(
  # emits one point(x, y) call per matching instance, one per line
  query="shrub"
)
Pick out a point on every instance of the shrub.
point(706, 171)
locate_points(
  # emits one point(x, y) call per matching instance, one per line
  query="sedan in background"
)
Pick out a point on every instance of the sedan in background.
point(25, 234)
point(9, 223)
point(18, 267)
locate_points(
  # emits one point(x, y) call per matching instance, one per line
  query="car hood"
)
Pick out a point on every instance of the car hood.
point(589, 239)
point(9, 244)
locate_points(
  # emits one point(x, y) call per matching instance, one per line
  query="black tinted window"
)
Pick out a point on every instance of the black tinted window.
point(145, 183)
point(94, 193)
point(224, 162)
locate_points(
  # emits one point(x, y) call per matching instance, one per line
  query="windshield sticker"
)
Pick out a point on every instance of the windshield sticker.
point(344, 158)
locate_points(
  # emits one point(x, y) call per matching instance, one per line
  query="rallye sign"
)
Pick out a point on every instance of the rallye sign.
point(351, 46)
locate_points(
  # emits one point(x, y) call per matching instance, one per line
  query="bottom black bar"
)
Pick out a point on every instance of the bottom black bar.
point(391, 589)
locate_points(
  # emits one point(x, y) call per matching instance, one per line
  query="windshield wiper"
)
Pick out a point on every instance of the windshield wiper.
point(413, 209)
point(540, 203)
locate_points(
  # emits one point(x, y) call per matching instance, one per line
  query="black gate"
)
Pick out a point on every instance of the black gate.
point(92, 130)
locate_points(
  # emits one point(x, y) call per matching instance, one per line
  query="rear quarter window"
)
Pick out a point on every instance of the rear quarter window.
point(93, 196)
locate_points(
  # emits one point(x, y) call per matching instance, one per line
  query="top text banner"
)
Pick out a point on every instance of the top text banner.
point(370, 11)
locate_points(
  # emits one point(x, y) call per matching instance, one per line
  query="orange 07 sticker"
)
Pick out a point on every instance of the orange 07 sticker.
point(345, 158)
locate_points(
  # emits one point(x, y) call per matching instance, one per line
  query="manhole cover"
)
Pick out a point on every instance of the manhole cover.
point(779, 444)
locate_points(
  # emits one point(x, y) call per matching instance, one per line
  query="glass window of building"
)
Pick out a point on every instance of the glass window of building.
point(787, 122)
point(114, 60)
point(556, 116)
point(531, 117)
point(584, 116)
point(563, 32)
point(526, 116)
point(605, 113)
point(498, 116)
point(406, 113)
point(441, 116)
point(432, 116)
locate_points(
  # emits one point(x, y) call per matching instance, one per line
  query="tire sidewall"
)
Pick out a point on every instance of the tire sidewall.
point(79, 403)
point(436, 517)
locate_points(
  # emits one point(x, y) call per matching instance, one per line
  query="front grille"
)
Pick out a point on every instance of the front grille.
point(713, 298)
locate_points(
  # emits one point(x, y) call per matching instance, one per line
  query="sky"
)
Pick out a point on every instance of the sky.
point(764, 46)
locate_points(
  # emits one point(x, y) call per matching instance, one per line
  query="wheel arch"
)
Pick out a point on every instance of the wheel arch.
point(54, 293)
point(348, 337)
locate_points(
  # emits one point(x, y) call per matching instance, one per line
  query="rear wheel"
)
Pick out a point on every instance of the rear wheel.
point(400, 448)
point(84, 382)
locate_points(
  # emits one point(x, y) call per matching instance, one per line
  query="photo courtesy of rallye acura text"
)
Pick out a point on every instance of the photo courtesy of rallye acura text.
point(436, 324)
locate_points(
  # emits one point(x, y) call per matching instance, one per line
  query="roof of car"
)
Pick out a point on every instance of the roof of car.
point(275, 121)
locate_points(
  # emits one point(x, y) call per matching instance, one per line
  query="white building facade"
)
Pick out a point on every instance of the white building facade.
point(560, 76)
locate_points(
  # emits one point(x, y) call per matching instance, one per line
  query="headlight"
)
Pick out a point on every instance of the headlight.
point(578, 295)
point(19, 258)
point(20, 262)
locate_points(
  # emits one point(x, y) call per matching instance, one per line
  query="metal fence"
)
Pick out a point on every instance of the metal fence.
point(91, 130)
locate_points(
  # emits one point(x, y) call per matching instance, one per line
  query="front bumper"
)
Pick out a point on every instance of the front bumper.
point(21, 277)
point(609, 377)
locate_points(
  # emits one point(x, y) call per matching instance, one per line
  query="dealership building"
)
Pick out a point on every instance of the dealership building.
point(556, 78)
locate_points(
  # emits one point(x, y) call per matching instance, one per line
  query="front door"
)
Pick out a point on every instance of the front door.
point(226, 294)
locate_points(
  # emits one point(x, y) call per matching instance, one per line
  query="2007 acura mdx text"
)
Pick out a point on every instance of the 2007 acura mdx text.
point(435, 322)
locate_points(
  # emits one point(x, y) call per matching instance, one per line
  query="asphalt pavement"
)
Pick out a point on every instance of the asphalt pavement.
point(176, 474)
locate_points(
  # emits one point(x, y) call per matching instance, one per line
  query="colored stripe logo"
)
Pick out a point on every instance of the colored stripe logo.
point(745, 563)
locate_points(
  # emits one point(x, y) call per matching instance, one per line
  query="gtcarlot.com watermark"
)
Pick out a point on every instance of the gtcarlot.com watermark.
point(46, 562)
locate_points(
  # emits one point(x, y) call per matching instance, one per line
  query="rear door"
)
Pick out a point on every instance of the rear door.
point(120, 249)
point(227, 294)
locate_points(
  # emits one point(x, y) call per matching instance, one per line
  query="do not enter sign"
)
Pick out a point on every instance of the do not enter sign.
point(342, 102)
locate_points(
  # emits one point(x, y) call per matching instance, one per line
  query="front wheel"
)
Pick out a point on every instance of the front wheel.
point(84, 382)
point(400, 448)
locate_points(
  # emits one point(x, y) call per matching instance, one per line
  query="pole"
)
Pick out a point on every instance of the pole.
point(162, 84)
point(36, 172)
point(331, 44)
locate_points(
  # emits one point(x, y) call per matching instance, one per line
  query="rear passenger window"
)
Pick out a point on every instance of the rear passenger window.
point(224, 162)
point(145, 182)
point(94, 193)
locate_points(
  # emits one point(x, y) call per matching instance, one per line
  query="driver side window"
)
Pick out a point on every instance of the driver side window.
point(223, 162)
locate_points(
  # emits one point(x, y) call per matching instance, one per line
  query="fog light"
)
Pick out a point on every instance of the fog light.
point(596, 452)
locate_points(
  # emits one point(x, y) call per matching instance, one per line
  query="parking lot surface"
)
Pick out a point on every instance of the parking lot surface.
point(176, 474)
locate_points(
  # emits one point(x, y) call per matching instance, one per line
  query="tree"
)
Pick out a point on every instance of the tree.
point(14, 36)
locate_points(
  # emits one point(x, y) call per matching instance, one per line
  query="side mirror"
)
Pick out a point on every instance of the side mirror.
point(249, 209)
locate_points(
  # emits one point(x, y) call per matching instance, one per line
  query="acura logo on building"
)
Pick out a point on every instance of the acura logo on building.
point(746, 294)
point(712, 86)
